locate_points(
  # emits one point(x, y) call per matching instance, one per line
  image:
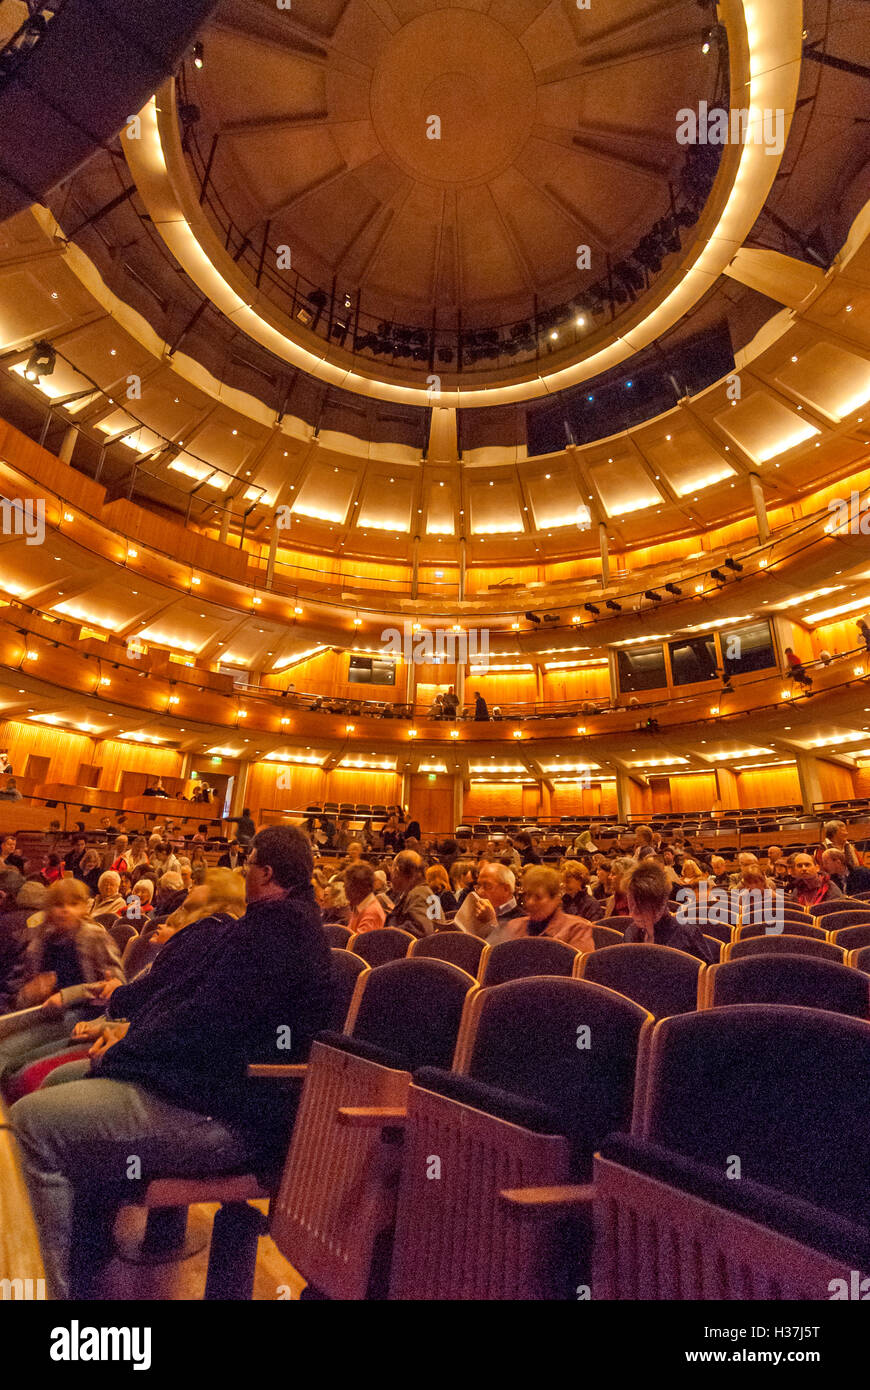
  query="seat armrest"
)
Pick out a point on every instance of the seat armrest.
point(21, 1020)
point(372, 1116)
point(289, 1071)
point(548, 1202)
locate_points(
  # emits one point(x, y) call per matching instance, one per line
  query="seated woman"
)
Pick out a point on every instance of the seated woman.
point(211, 906)
point(542, 900)
point(335, 907)
point(108, 897)
point(139, 905)
point(576, 898)
point(367, 913)
point(65, 955)
point(436, 877)
point(647, 889)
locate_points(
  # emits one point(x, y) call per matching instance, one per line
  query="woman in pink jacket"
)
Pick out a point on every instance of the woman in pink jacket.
point(366, 913)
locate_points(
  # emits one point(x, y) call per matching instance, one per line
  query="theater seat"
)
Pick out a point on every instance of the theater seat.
point(662, 980)
point(784, 945)
point(333, 1214)
point(523, 1109)
point(382, 945)
point(337, 934)
point(788, 929)
point(788, 979)
point(527, 955)
point(774, 1095)
point(457, 947)
point(844, 931)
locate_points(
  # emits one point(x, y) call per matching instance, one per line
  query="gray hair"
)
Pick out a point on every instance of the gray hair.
point(502, 874)
point(171, 879)
point(108, 880)
point(831, 828)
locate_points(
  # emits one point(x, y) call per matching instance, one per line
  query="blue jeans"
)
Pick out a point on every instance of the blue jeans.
point(87, 1147)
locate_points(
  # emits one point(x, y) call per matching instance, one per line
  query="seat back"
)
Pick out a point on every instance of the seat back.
point(783, 1089)
point(662, 980)
point(850, 934)
point(860, 959)
point(346, 971)
point(783, 945)
point(605, 936)
point(716, 946)
point(337, 935)
point(458, 947)
point(839, 905)
point(138, 952)
point(121, 932)
point(789, 928)
point(333, 1213)
point(544, 1069)
point(788, 979)
point(526, 955)
point(382, 945)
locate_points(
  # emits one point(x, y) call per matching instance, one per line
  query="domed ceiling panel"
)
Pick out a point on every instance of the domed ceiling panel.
point(449, 155)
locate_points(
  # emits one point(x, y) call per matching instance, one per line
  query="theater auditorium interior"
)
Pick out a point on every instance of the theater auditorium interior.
point(505, 366)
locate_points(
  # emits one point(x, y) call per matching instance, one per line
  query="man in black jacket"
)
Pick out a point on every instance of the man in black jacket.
point(172, 1097)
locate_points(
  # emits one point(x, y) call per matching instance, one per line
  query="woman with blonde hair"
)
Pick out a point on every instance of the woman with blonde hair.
point(210, 908)
point(542, 900)
point(576, 898)
point(438, 881)
point(138, 854)
point(692, 873)
point(66, 955)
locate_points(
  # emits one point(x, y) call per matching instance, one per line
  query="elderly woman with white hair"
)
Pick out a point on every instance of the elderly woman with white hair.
point(108, 897)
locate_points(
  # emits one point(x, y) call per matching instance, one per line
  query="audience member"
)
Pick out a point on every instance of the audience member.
point(810, 887)
point(577, 901)
point(647, 889)
point(542, 900)
point(233, 857)
point(165, 1090)
point(489, 907)
point(416, 908)
point(366, 912)
point(438, 881)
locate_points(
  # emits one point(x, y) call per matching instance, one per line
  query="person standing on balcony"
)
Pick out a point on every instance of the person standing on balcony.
point(481, 709)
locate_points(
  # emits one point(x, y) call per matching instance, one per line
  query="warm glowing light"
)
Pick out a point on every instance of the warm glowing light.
point(32, 656)
point(131, 553)
point(518, 733)
point(785, 694)
point(68, 516)
point(454, 733)
point(412, 733)
point(349, 728)
point(105, 680)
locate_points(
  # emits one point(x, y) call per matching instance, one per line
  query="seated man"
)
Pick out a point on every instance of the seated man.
point(647, 889)
point(487, 910)
point(810, 887)
point(174, 1091)
point(416, 908)
point(849, 881)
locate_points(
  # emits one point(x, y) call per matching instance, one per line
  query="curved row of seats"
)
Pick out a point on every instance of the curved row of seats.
point(446, 1139)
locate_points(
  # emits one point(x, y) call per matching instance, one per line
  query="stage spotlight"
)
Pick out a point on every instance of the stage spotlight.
point(734, 565)
point(719, 576)
point(41, 361)
point(651, 594)
point(590, 608)
point(198, 55)
point(613, 605)
point(551, 617)
point(531, 617)
point(673, 589)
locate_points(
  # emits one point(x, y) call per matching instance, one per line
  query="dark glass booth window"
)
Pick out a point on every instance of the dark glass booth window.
point(641, 668)
point(371, 670)
point(693, 659)
point(748, 648)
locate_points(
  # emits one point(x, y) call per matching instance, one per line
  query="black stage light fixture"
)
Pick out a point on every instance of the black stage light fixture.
point(41, 361)
point(613, 605)
point(198, 53)
point(590, 608)
point(649, 252)
point(531, 617)
point(673, 589)
point(651, 593)
point(719, 576)
point(734, 565)
point(551, 617)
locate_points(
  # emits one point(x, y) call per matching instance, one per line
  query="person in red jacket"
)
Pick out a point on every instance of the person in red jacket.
point(796, 669)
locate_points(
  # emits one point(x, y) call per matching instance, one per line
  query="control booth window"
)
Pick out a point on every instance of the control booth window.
point(748, 647)
point(693, 659)
point(641, 668)
point(371, 670)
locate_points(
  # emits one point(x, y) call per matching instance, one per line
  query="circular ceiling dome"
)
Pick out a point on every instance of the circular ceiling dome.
point(443, 116)
point(439, 164)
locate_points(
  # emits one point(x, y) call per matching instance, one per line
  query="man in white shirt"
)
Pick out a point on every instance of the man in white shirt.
point(487, 911)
